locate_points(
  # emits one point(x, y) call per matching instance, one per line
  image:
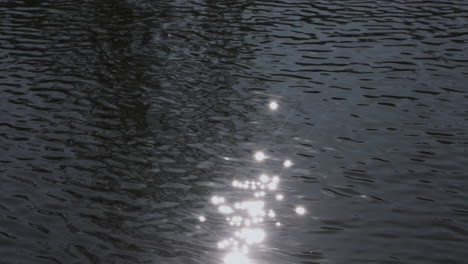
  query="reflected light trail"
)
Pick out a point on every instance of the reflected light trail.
point(249, 216)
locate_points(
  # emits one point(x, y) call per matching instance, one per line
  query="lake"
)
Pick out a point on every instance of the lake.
point(233, 131)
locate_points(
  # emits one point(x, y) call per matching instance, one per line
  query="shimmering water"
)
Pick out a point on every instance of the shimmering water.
point(120, 120)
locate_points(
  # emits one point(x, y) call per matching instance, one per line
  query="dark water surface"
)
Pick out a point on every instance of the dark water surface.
point(119, 120)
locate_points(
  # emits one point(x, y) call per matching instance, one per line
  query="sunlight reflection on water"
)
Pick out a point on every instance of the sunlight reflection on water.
point(249, 216)
point(236, 258)
point(273, 105)
point(259, 156)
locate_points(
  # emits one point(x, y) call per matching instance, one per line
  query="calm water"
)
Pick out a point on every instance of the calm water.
point(119, 120)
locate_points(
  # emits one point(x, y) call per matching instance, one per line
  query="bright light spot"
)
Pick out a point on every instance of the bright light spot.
point(224, 209)
point(223, 244)
point(264, 178)
point(252, 236)
point(300, 210)
point(273, 105)
point(259, 156)
point(245, 249)
point(246, 228)
point(254, 208)
point(202, 219)
point(217, 200)
point(236, 258)
point(237, 218)
point(275, 179)
point(271, 213)
point(272, 186)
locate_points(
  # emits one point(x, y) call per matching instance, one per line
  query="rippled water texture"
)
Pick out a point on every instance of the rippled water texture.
point(120, 120)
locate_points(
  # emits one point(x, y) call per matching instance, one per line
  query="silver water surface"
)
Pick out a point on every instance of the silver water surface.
point(119, 120)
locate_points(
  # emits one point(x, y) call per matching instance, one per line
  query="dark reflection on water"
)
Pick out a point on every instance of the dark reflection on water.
point(120, 119)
